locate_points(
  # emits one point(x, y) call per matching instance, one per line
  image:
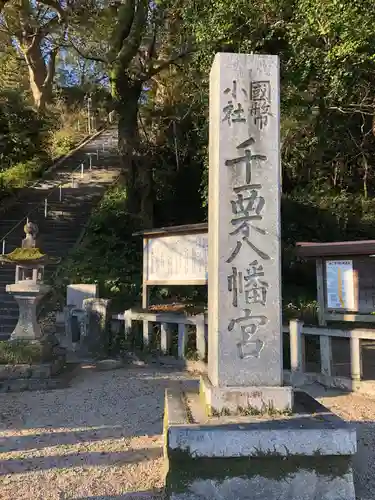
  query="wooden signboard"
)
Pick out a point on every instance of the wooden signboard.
point(179, 259)
point(175, 256)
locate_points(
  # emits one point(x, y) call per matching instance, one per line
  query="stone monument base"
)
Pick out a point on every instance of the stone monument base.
point(37, 371)
point(249, 400)
point(301, 456)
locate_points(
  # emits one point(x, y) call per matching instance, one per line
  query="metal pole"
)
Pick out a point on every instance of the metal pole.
point(97, 153)
point(103, 146)
point(45, 207)
point(89, 114)
point(3, 247)
point(60, 193)
point(82, 169)
point(90, 161)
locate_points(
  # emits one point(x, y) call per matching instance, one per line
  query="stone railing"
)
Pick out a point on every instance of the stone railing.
point(298, 375)
point(166, 322)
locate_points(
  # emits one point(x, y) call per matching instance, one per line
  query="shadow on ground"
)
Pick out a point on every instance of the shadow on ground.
point(143, 495)
point(21, 465)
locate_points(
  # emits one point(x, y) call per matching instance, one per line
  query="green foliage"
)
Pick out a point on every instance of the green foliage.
point(22, 132)
point(109, 255)
point(20, 174)
point(62, 142)
point(20, 352)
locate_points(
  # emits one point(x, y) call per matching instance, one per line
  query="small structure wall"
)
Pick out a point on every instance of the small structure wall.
point(355, 297)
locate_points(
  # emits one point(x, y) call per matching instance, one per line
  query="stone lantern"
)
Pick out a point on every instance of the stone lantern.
point(28, 289)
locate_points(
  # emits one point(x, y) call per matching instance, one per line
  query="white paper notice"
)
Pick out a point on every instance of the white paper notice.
point(340, 284)
point(181, 258)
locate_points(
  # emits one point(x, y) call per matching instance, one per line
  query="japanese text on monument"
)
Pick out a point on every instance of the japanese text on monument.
point(248, 286)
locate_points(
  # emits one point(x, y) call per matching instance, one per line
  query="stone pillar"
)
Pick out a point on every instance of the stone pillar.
point(182, 340)
point(244, 301)
point(296, 345)
point(97, 311)
point(28, 296)
point(165, 337)
point(325, 355)
point(147, 333)
point(355, 358)
point(200, 336)
point(128, 324)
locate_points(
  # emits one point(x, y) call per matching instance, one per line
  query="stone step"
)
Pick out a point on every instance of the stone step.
point(59, 231)
point(8, 322)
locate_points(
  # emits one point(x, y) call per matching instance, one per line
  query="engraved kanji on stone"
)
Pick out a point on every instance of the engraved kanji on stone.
point(234, 111)
point(260, 91)
point(244, 230)
point(256, 292)
point(260, 97)
point(248, 205)
point(249, 347)
point(254, 270)
point(247, 158)
point(235, 285)
point(255, 288)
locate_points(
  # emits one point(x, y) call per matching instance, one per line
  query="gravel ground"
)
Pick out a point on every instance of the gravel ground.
point(360, 410)
point(99, 439)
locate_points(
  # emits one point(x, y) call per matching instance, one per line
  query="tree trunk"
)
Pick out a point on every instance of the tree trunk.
point(136, 171)
point(40, 74)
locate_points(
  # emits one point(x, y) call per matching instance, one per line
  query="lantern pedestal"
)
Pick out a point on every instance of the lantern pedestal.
point(28, 295)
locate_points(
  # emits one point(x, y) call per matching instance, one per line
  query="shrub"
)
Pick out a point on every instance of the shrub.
point(62, 142)
point(23, 133)
point(20, 352)
point(20, 174)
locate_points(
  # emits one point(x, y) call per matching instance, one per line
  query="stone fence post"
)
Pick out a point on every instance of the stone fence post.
point(98, 324)
point(296, 346)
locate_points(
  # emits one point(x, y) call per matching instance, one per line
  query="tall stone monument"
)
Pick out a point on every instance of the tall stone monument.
point(244, 282)
point(243, 435)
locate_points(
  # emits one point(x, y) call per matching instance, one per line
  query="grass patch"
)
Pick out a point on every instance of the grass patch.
point(21, 352)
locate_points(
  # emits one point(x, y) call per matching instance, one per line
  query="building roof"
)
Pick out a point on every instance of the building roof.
point(335, 249)
point(171, 230)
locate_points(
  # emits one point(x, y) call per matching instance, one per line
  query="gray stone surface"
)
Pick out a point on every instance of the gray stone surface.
point(109, 364)
point(309, 432)
point(28, 297)
point(98, 325)
point(8, 372)
point(244, 222)
point(303, 485)
point(77, 292)
point(223, 399)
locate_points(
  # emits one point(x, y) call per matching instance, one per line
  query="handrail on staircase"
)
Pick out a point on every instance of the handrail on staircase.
point(57, 186)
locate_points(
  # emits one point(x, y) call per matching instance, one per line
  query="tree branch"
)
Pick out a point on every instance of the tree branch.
point(131, 44)
point(165, 64)
point(87, 56)
point(125, 18)
point(51, 67)
point(56, 6)
point(2, 4)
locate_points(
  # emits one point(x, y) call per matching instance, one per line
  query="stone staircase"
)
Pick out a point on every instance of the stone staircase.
point(66, 218)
